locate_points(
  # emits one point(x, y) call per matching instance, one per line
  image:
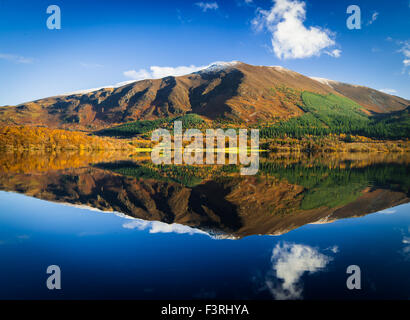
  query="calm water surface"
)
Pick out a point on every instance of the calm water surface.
point(125, 230)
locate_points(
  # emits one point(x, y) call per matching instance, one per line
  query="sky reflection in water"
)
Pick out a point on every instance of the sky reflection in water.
point(103, 255)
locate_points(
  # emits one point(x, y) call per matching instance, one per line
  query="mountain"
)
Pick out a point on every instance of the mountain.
point(227, 206)
point(233, 92)
point(370, 99)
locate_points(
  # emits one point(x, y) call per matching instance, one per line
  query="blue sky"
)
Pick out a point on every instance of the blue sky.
point(102, 43)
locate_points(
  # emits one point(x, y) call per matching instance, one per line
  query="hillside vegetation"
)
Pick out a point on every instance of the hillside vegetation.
point(326, 114)
point(336, 187)
point(39, 138)
point(237, 92)
point(146, 126)
point(323, 115)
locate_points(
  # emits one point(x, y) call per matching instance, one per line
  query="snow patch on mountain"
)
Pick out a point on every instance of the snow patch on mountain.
point(213, 67)
point(218, 66)
point(324, 81)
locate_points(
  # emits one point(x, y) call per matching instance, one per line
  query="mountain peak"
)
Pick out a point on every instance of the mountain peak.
point(233, 91)
point(218, 66)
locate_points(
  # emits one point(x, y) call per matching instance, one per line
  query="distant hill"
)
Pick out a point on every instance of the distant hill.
point(231, 92)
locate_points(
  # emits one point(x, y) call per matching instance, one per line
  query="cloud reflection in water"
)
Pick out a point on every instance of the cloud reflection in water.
point(289, 262)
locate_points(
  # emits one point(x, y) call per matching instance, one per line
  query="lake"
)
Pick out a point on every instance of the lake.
point(120, 227)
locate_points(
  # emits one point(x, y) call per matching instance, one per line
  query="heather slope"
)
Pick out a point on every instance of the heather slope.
point(233, 92)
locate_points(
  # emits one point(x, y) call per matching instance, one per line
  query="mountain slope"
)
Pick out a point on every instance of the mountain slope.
point(231, 92)
point(370, 99)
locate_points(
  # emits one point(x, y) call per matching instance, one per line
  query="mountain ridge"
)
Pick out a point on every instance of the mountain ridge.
point(233, 91)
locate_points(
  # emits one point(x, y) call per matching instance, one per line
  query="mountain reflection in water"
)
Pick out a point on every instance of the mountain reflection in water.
point(287, 193)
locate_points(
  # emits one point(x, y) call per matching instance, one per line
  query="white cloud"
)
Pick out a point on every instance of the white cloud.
point(156, 72)
point(334, 249)
point(16, 58)
point(161, 72)
point(374, 17)
point(289, 263)
point(388, 91)
point(248, 3)
point(336, 53)
point(290, 38)
point(161, 227)
point(205, 6)
point(181, 17)
point(405, 251)
point(137, 75)
point(84, 91)
point(405, 50)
